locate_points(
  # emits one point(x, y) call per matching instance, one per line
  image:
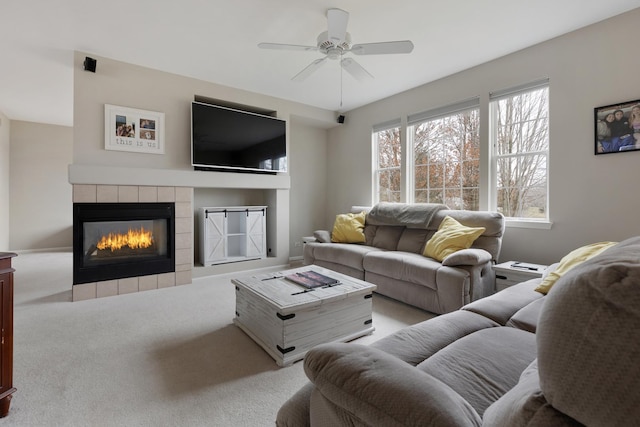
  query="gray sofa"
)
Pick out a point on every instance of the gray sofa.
point(392, 257)
point(517, 358)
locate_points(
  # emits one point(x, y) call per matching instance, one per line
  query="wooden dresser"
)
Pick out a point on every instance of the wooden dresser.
point(6, 339)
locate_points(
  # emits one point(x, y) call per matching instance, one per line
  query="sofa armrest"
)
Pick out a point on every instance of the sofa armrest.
point(376, 388)
point(322, 236)
point(469, 256)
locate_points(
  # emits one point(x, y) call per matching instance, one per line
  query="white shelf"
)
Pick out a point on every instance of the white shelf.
point(109, 175)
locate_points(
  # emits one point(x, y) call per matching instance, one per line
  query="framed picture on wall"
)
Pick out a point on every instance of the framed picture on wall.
point(617, 127)
point(129, 129)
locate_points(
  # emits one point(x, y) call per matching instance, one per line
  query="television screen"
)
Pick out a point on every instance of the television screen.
point(226, 139)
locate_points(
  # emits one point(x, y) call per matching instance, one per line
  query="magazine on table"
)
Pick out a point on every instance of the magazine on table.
point(311, 279)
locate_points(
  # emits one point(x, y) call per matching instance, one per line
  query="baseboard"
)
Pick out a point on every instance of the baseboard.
point(29, 251)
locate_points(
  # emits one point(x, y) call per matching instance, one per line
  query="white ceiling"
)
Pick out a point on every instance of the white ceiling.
point(216, 40)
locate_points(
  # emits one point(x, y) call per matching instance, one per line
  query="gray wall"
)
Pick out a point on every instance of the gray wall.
point(40, 195)
point(308, 183)
point(592, 198)
point(132, 86)
point(4, 181)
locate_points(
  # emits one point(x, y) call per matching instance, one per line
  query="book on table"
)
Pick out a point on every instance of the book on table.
point(312, 279)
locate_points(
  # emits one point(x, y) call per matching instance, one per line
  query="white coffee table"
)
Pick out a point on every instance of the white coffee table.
point(287, 321)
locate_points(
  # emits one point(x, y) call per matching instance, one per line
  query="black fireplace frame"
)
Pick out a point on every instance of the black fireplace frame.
point(95, 212)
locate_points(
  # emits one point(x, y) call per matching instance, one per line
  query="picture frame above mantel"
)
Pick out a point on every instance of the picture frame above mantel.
point(130, 129)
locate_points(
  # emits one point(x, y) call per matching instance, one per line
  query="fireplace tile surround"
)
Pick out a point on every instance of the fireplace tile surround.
point(183, 199)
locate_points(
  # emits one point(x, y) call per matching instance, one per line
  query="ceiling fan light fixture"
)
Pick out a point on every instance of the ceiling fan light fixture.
point(327, 46)
point(336, 42)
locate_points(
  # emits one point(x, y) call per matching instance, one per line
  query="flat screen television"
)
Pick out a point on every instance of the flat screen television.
point(226, 139)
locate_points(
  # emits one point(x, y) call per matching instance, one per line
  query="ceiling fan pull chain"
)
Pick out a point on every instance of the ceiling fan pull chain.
point(341, 74)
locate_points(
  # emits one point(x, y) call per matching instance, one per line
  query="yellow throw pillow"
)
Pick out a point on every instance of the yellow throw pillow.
point(349, 228)
point(570, 260)
point(451, 237)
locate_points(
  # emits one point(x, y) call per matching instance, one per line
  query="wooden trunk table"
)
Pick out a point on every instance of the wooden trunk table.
point(287, 319)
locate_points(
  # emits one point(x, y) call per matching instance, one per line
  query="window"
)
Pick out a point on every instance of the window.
point(387, 152)
point(446, 156)
point(520, 139)
point(439, 160)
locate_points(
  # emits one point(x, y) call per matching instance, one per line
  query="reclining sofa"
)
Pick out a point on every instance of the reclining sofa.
point(392, 255)
point(516, 358)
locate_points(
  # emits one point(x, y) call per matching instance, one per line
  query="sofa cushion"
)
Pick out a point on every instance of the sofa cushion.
point(414, 215)
point(467, 257)
point(451, 237)
point(348, 228)
point(343, 253)
point(527, 317)
point(295, 411)
point(483, 366)
point(525, 405)
point(572, 259)
point(356, 379)
point(404, 266)
point(322, 236)
point(387, 237)
point(589, 339)
point(416, 343)
point(500, 307)
point(413, 240)
point(369, 233)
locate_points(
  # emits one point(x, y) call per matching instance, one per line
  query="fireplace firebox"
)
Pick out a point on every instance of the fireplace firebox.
point(119, 240)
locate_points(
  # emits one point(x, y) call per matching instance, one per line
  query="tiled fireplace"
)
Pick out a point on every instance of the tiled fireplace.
point(131, 239)
point(120, 240)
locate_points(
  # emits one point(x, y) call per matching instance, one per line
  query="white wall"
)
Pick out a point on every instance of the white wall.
point(5, 126)
point(592, 198)
point(40, 195)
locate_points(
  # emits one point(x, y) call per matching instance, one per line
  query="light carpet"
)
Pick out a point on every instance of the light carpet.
point(165, 357)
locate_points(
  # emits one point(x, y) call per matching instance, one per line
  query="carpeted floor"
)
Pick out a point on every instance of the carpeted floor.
point(166, 357)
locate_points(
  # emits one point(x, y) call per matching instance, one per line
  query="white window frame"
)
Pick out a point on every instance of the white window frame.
point(493, 194)
point(431, 115)
point(392, 124)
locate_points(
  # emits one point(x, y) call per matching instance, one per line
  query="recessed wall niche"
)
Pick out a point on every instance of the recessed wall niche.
point(204, 197)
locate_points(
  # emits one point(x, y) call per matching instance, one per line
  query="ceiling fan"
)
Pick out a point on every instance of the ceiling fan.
point(336, 42)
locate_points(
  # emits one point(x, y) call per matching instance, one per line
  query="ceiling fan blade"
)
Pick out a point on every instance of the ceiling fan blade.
point(310, 69)
point(337, 25)
point(403, 46)
point(279, 46)
point(355, 69)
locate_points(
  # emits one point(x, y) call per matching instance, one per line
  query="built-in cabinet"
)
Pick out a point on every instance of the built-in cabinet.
point(6, 340)
point(232, 233)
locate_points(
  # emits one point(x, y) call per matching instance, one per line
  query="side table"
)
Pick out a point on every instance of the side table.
point(512, 272)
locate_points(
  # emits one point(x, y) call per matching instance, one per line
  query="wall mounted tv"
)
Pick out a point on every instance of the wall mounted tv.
point(226, 139)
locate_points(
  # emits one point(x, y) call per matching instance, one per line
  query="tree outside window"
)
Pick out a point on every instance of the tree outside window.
point(388, 173)
point(521, 145)
point(446, 160)
point(443, 155)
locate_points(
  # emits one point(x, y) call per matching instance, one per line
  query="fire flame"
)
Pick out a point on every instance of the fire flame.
point(135, 239)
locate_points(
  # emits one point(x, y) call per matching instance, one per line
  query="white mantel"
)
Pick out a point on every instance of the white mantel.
point(110, 175)
point(276, 186)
